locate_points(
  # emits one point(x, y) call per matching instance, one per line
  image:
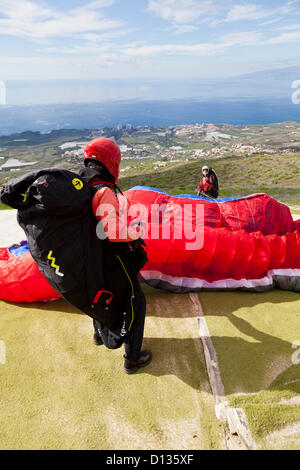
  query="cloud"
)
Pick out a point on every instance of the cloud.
point(285, 38)
point(182, 11)
point(246, 12)
point(201, 49)
point(287, 27)
point(27, 18)
point(274, 20)
point(256, 12)
point(95, 5)
point(95, 35)
point(247, 38)
point(253, 12)
point(185, 16)
point(26, 10)
point(58, 66)
point(184, 28)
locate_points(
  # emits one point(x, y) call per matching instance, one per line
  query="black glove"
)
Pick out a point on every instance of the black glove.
point(138, 255)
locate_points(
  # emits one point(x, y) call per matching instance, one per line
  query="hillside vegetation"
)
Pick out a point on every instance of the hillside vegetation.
point(247, 159)
point(277, 175)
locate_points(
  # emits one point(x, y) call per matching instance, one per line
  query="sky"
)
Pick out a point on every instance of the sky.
point(146, 38)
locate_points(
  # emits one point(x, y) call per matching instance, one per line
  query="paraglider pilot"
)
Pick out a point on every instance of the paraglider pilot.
point(124, 255)
point(209, 186)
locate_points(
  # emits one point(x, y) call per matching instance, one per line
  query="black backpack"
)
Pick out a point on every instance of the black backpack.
point(216, 179)
point(54, 210)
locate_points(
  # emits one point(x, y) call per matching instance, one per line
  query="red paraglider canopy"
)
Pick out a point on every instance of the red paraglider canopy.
point(245, 243)
point(241, 243)
point(20, 278)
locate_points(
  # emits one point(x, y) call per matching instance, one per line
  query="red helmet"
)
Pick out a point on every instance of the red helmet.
point(105, 151)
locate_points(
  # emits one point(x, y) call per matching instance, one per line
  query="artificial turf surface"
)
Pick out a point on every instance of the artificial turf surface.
point(59, 391)
point(253, 334)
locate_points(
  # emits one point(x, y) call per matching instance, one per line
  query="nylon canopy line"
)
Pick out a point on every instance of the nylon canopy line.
point(249, 243)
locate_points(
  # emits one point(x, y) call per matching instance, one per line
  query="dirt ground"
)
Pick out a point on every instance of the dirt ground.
point(10, 231)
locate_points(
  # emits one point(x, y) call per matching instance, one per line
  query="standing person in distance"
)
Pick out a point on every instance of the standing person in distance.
point(209, 186)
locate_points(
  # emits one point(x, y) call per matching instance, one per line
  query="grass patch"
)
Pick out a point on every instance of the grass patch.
point(264, 419)
point(59, 391)
point(253, 335)
point(237, 176)
point(3, 207)
point(268, 410)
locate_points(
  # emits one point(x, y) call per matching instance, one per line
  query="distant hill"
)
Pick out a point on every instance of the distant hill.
point(287, 73)
point(276, 83)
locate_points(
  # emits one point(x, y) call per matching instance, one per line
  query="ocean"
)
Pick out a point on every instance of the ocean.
point(259, 98)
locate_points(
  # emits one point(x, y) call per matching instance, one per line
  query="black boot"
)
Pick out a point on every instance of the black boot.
point(144, 359)
point(97, 339)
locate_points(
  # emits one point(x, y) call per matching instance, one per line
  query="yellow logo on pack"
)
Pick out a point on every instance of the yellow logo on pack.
point(24, 196)
point(53, 265)
point(78, 184)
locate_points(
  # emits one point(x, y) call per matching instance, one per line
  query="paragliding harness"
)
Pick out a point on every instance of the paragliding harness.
point(55, 211)
point(203, 194)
